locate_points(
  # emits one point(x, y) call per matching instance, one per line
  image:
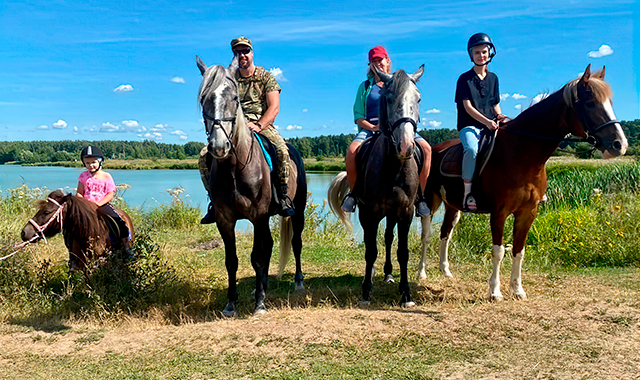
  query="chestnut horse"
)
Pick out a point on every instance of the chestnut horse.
point(389, 179)
point(85, 234)
point(514, 179)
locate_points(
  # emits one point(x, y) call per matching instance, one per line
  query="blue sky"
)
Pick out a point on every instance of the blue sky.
point(125, 70)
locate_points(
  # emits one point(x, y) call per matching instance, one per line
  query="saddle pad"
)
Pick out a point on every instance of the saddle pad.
point(264, 141)
point(451, 164)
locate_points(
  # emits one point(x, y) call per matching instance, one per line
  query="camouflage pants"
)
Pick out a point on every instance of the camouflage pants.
point(284, 166)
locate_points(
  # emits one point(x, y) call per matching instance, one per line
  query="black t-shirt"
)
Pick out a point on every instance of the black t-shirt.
point(484, 94)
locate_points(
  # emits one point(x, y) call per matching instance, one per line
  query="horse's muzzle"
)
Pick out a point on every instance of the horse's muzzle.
point(613, 142)
point(220, 150)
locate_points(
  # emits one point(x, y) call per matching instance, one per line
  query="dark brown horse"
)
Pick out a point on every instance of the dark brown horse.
point(85, 234)
point(240, 184)
point(514, 179)
point(390, 179)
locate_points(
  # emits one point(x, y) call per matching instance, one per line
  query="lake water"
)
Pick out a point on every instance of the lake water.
point(148, 187)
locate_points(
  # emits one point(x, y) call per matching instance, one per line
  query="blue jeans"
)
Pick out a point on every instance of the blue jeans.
point(469, 137)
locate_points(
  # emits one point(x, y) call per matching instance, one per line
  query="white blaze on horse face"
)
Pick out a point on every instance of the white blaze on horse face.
point(219, 144)
point(608, 107)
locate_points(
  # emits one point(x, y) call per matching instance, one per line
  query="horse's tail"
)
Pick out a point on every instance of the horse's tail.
point(337, 190)
point(286, 236)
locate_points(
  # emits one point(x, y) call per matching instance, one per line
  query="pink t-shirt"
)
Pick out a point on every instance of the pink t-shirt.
point(94, 189)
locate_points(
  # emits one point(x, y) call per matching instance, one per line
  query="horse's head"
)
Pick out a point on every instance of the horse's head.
point(399, 109)
point(218, 98)
point(48, 220)
point(590, 98)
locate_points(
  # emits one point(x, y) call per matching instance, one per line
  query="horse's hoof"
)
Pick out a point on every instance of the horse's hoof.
point(408, 304)
point(520, 295)
point(496, 298)
point(260, 310)
point(364, 303)
point(422, 275)
point(229, 311)
point(389, 279)
point(299, 287)
point(446, 272)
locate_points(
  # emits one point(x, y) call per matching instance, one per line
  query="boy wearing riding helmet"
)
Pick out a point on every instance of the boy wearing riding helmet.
point(477, 99)
point(97, 186)
point(366, 111)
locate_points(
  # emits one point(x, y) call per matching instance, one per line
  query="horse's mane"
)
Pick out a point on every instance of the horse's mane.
point(601, 89)
point(81, 218)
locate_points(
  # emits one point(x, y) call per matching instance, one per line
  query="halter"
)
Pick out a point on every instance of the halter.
point(231, 119)
point(41, 229)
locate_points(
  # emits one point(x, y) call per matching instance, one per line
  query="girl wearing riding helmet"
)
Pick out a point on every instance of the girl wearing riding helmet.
point(366, 114)
point(97, 186)
point(477, 99)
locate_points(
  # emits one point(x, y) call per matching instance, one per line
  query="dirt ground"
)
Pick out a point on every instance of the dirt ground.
point(573, 327)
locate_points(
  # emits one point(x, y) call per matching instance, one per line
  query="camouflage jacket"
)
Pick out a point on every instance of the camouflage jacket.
point(253, 90)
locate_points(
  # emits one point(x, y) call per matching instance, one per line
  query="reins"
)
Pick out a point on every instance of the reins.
point(40, 229)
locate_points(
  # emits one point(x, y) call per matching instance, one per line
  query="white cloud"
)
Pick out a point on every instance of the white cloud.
point(433, 110)
point(159, 128)
point(130, 123)
point(151, 136)
point(75, 129)
point(123, 88)
point(538, 98)
point(277, 73)
point(108, 127)
point(276, 126)
point(177, 80)
point(434, 124)
point(602, 51)
point(43, 127)
point(518, 96)
point(60, 124)
point(305, 110)
point(293, 127)
point(518, 107)
point(179, 133)
point(355, 129)
point(504, 97)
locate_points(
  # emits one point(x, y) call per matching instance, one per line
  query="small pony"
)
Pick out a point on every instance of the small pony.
point(85, 234)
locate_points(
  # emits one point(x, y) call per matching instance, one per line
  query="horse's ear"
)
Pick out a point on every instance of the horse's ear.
point(201, 65)
point(586, 75)
point(233, 67)
point(601, 76)
point(416, 76)
point(382, 75)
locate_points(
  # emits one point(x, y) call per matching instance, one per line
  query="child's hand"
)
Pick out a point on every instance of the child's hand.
point(492, 125)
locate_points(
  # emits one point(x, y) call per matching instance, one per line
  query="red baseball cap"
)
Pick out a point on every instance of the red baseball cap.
point(377, 52)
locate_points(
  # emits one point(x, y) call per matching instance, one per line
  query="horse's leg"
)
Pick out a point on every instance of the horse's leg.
point(425, 236)
point(497, 254)
point(388, 242)
point(451, 218)
point(521, 226)
point(260, 259)
point(370, 227)
point(403, 259)
point(296, 243)
point(227, 232)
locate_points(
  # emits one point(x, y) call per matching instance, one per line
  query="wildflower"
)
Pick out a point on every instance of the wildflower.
point(608, 223)
point(581, 244)
point(621, 234)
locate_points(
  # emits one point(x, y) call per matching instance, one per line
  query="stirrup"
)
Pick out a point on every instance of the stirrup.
point(349, 203)
point(422, 209)
point(470, 204)
point(210, 217)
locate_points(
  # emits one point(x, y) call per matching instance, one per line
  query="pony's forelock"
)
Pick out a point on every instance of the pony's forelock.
point(601, 89)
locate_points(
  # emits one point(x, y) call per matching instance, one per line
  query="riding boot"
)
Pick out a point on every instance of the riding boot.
point(422, 209)
point(286, 206)
point(127, 252)
point(210, 217)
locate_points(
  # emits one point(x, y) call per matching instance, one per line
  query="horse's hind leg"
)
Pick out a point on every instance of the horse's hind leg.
point(296, 242)
point(451, 218)
point(388, 242)
point(426, 236)
point(403, 261)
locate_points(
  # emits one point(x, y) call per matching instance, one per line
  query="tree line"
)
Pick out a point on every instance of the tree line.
point(29, 152)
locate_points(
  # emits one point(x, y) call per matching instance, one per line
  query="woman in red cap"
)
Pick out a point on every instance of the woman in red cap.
point(366, 113)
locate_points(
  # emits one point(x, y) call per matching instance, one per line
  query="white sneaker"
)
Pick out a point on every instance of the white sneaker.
point(471, 203)
point(349, 203)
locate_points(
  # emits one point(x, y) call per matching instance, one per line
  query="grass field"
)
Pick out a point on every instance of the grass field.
point(159, 317)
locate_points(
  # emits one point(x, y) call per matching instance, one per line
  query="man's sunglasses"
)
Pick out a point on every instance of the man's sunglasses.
point(245, 51)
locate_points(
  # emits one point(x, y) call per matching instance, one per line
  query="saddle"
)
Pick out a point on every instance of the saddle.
point(114, 229)
point(451, 164)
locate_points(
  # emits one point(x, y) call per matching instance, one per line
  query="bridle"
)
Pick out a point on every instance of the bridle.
point(41, 229)
point(232, 120)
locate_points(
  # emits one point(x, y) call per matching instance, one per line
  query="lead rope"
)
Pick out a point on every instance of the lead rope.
point(40, 229)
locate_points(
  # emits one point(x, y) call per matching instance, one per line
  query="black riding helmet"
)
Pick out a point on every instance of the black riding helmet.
point(92, 151)
point(481, 39)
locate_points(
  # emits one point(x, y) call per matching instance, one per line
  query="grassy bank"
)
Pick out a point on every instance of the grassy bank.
point(159, 317)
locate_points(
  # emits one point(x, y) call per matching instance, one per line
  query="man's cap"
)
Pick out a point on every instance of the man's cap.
point(241, 41)
point(377, 52)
